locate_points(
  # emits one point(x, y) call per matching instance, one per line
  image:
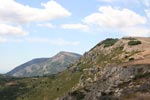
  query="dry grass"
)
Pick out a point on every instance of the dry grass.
point(137, 62)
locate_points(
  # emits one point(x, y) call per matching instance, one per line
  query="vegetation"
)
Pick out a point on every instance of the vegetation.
point(104, 59)
point(131, 59)
point(39, 88)
point(134, 42)
point(78, 95)
point(109, 42)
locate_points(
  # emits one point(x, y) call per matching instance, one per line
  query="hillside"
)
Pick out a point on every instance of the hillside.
point(115, 69)
point(45, 66)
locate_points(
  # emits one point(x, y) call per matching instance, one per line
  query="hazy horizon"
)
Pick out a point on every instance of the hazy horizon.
point(42, 28)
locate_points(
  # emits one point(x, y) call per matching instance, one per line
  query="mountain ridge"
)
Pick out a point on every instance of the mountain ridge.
point(40, 63)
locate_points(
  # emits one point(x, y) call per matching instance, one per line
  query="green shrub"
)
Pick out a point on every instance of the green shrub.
point(109, 42)
point(134, 42)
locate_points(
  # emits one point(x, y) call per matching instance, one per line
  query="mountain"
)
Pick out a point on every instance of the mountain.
point(45, 66)
point(1, 75)
point(115, 69)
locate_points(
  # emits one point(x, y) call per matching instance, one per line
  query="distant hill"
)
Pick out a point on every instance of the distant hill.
point(45, 66)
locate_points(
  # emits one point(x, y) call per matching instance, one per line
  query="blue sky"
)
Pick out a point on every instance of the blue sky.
point(41, 28)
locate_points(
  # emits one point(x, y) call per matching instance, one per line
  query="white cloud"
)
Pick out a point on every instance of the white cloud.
point(122, 20)
point(47, 25)
point(75, 26)
point(13, 12)
point(58, 41)
point(14, 30)
point(2, 40)
point(115, 18)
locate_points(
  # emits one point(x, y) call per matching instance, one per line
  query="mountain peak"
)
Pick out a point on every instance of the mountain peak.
point(63, 53)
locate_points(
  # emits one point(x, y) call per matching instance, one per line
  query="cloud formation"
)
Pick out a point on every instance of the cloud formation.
point(110, 17)
point(14, 14)
point(11, 11)
point(124, 20)
point(76, 27)
point(6, 29)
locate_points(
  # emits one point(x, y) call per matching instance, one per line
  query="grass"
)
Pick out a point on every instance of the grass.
point(104, 59)
point(41, 88)
point(101, 59)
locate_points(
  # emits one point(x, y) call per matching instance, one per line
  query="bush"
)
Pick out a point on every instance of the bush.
point(78, 95)
point(134, 42)
point(109, 42)
point(131, 59)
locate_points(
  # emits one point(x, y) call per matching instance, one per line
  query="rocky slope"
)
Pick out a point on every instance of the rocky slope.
point(45, 66)
point(114, 70)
